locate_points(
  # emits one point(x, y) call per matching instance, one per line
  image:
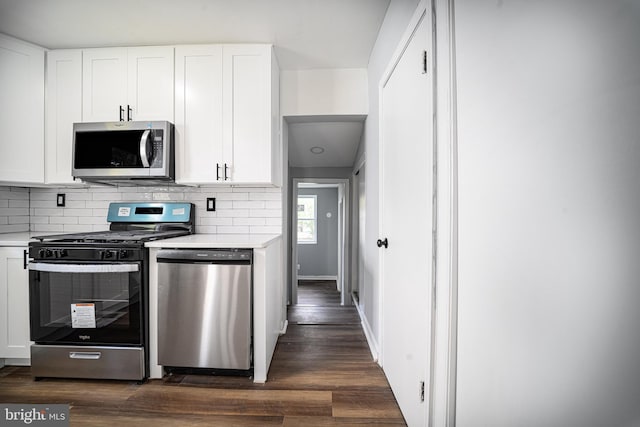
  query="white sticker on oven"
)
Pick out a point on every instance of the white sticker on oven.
point(124, 211)
point(178, 211)
point(83, 315)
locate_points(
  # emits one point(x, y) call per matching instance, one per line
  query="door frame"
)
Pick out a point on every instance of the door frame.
point(344, 232)
point(443, 332)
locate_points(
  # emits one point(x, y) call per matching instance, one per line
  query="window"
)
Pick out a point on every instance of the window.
point(307, 219)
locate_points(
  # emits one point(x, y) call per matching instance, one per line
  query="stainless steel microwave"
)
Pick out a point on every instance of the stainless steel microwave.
point(123, 151)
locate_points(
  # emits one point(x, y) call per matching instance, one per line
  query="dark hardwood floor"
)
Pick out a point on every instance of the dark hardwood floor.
point(322, 374)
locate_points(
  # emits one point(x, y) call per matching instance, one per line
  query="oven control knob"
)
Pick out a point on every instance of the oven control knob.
point(122, 254)
point(60, 253)
point(107, 254)
point(41, 253)
point(48, 253)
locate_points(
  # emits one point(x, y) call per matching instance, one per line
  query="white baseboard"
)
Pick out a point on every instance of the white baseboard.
point(285, 325)
point(317, 277)
point(368, 334)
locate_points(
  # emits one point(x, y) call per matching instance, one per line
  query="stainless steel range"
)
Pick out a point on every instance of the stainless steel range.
point(88, 293)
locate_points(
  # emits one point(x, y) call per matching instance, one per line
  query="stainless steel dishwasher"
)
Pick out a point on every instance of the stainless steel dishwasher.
point(205, 309)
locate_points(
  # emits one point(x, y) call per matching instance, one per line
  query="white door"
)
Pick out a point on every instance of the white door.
point(407, 221)
point(14, 304)
point(246, 113)
point(198, 95)
point(22, 106)
point(150, 83)
point(63, 109)
point(104, 84)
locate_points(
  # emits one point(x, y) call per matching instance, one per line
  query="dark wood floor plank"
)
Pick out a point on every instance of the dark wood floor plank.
point(311, 315)
point(367, 403)
point(156, 397)
point(318, 292)
point(290, 421)
point(109, 417)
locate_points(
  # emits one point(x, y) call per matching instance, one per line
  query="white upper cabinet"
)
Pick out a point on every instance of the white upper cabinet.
point(198, 110)
point(247, 107)
point(227, 117)
point(63, 108)
point(22, 106)
point(127, 84)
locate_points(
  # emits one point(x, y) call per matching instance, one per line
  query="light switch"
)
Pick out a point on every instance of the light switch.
point(211, 204)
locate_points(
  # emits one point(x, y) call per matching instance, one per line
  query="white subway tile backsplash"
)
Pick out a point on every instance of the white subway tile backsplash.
point(215, 221)
point(92, 220)
point(206, 229)
point(111, 197)
point(237, 204)
point(249, 221)
point(18, 203)
point(238, 209)
point(48, 212)
point(18, 220)
point(233, 196)
point(266, 213)
point(78, 212)
point(63, 220)
point(233, 213)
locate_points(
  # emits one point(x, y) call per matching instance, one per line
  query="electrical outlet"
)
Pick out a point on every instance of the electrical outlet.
point(60, 200)
point(211, 204)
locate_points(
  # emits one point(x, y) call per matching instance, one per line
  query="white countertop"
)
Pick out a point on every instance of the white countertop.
point(18, 239)
point(249, 241)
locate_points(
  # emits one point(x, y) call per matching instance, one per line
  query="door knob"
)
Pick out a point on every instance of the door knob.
point(382, 243)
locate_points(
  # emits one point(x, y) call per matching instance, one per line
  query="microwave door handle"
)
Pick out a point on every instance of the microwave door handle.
point(143, 149)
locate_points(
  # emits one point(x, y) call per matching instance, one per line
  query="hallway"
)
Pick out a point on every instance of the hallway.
point(321, 375)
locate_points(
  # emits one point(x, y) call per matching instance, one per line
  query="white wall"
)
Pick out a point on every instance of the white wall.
point(549, 212)
point(394, 25)
point(323, 92)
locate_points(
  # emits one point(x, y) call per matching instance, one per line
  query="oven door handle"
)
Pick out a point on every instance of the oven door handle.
point(83, 268)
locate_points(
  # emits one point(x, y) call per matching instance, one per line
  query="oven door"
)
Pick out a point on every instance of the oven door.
point(86, 303)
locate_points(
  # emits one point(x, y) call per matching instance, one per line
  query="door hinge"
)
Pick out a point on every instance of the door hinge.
point(421, 391)
point(424, 62)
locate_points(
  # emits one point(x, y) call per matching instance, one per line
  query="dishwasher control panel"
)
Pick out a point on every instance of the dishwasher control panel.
point(206, 255)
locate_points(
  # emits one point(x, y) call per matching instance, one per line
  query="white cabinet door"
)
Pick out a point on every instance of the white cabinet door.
point(22, 106)
point(198, 108)
point(247, 105)
point(63, 108)
point(104, 85)
point(127, 84)
point(150, 83)
point(14, 304)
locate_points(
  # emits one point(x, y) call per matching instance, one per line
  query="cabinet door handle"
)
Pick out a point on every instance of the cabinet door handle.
point(25, 260)
point(144, 155)
point(121, 113)
point(226, 168)
point(129, 113)
point(217, 171)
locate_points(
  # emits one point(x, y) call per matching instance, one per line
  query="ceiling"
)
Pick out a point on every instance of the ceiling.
point(337, 137)
point(307, 34)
